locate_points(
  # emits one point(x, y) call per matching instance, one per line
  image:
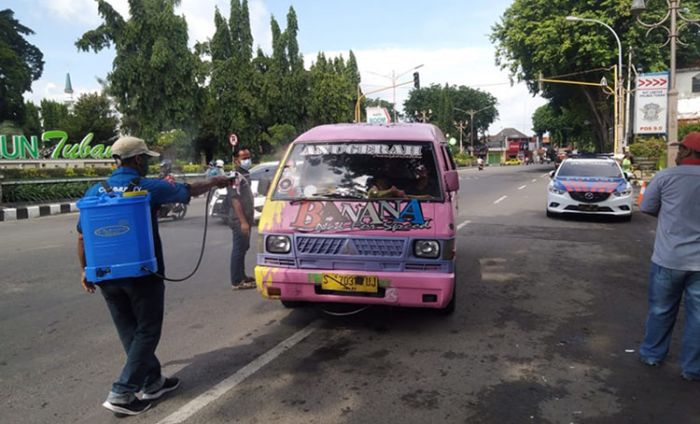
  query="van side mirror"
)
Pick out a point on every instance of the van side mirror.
point(452, 180)
point(551, 174)
point(629, 176)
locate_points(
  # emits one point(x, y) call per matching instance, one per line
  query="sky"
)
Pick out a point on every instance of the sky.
point(450, 38)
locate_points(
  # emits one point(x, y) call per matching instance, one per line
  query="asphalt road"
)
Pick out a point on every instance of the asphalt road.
point(547, 314)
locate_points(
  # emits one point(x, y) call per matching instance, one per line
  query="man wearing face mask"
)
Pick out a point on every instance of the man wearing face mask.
point(137, 304)
point(241, 219)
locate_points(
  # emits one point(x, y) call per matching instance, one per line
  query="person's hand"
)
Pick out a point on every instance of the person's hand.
point(221, 181)
point(87, 286)
point(245, 228)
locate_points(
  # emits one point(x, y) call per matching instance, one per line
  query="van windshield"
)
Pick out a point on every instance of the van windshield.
point(359, 170)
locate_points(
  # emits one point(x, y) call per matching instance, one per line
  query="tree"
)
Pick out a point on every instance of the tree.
point(445, 103)
point(92, 113)
point(533, 37)
point(153, 77)
point(175, 145)
point(20, 64)
point(32, 120)
point(53, 115)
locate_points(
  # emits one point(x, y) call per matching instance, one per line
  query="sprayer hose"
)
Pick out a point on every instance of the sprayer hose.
point(201, 252)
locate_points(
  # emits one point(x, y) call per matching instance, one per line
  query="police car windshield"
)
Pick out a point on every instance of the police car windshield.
point(358, 171)
point(589, 168)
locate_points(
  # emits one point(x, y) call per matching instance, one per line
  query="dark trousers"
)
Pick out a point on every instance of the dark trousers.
point(240, 245)
point(137, 308)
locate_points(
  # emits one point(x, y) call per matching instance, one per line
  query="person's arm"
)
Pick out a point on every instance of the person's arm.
point(651, 203)
point(89, 287)
point(238, 210)
point(201, 187)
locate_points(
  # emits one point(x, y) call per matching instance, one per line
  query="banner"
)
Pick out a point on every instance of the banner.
point(651, 103)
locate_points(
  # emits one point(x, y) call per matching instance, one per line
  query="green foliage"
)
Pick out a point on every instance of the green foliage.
point(53, 173)
point(54, 115)
point(45, 192)
point(175, 145)
point(445, 103)
point(685, 129)
point(92, 113)
point(192, 169)
point(280, 135)
point(533, 37)
point(20, 64)
point(153, 77)
point(32, 122)
point(463, 159)
point(649, 147)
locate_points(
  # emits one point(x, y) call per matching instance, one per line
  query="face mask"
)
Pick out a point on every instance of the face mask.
point(143, 166)
point(246, 164)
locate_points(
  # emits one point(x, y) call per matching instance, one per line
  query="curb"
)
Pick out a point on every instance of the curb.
point(27, 212)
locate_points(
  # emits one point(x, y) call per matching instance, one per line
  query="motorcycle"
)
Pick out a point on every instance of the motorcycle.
point(176, 211)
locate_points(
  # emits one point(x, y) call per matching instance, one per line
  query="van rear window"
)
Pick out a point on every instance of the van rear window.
point(359, 170)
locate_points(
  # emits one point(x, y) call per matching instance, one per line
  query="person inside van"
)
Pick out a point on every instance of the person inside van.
point(382, 188)
point(423, 186)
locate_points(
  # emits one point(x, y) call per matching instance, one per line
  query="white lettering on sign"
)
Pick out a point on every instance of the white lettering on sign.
point(380, 150)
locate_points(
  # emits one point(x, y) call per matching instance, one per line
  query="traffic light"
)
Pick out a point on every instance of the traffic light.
point(416, 80)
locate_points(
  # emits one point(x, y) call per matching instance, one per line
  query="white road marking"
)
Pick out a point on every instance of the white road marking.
point(522, 187)
point(534, 180)
point(201, 401)
point(544, 175)
point(500, 199)
point(462, 225)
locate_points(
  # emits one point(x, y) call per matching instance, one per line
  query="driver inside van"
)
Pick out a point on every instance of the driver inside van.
point(423, 186)
point(382, 188)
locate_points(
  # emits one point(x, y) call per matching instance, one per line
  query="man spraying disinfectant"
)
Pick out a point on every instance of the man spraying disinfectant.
point(137, 303)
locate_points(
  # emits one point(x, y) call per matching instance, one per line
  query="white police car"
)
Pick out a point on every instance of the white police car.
point(593, 185)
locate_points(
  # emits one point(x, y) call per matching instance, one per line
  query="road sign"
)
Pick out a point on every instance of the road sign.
point(377, 115)
point(233, 140)
point(651, 103)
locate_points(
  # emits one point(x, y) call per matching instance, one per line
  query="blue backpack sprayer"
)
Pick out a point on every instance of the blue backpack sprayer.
point(118, 235)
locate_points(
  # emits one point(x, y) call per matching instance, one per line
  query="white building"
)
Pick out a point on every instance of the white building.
point(688, 85)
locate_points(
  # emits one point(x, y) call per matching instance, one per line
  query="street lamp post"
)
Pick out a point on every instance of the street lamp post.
point(671, 19)
point(619, 98)
point(394, 77)
point(460, 126)
point(471, 114)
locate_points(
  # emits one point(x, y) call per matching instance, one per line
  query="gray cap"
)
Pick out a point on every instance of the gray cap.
point(128, 147)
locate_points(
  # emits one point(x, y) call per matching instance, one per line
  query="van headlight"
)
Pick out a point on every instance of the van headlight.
point(278, 244)
point(426, 249)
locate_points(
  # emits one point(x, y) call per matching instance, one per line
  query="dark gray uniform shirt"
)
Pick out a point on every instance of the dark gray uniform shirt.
point(242, 191)
point(674, 194)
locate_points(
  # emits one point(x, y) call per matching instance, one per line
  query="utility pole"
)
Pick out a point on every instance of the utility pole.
point(460, 126)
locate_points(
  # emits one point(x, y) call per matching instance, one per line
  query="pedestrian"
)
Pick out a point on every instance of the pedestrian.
point(137, 304)
point(672, 196)
point(241, 219)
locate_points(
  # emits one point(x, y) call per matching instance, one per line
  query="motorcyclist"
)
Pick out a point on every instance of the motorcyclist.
point(217, 169)
point(480, 163)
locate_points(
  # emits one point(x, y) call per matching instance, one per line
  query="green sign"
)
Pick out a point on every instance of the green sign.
point(18, 147)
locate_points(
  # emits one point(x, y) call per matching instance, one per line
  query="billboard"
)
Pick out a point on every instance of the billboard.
point(651, 103)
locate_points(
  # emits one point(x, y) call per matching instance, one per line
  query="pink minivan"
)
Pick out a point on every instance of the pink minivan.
point(362, 214)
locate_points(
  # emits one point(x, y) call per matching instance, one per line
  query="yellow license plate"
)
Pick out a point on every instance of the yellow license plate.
point(350, 283)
